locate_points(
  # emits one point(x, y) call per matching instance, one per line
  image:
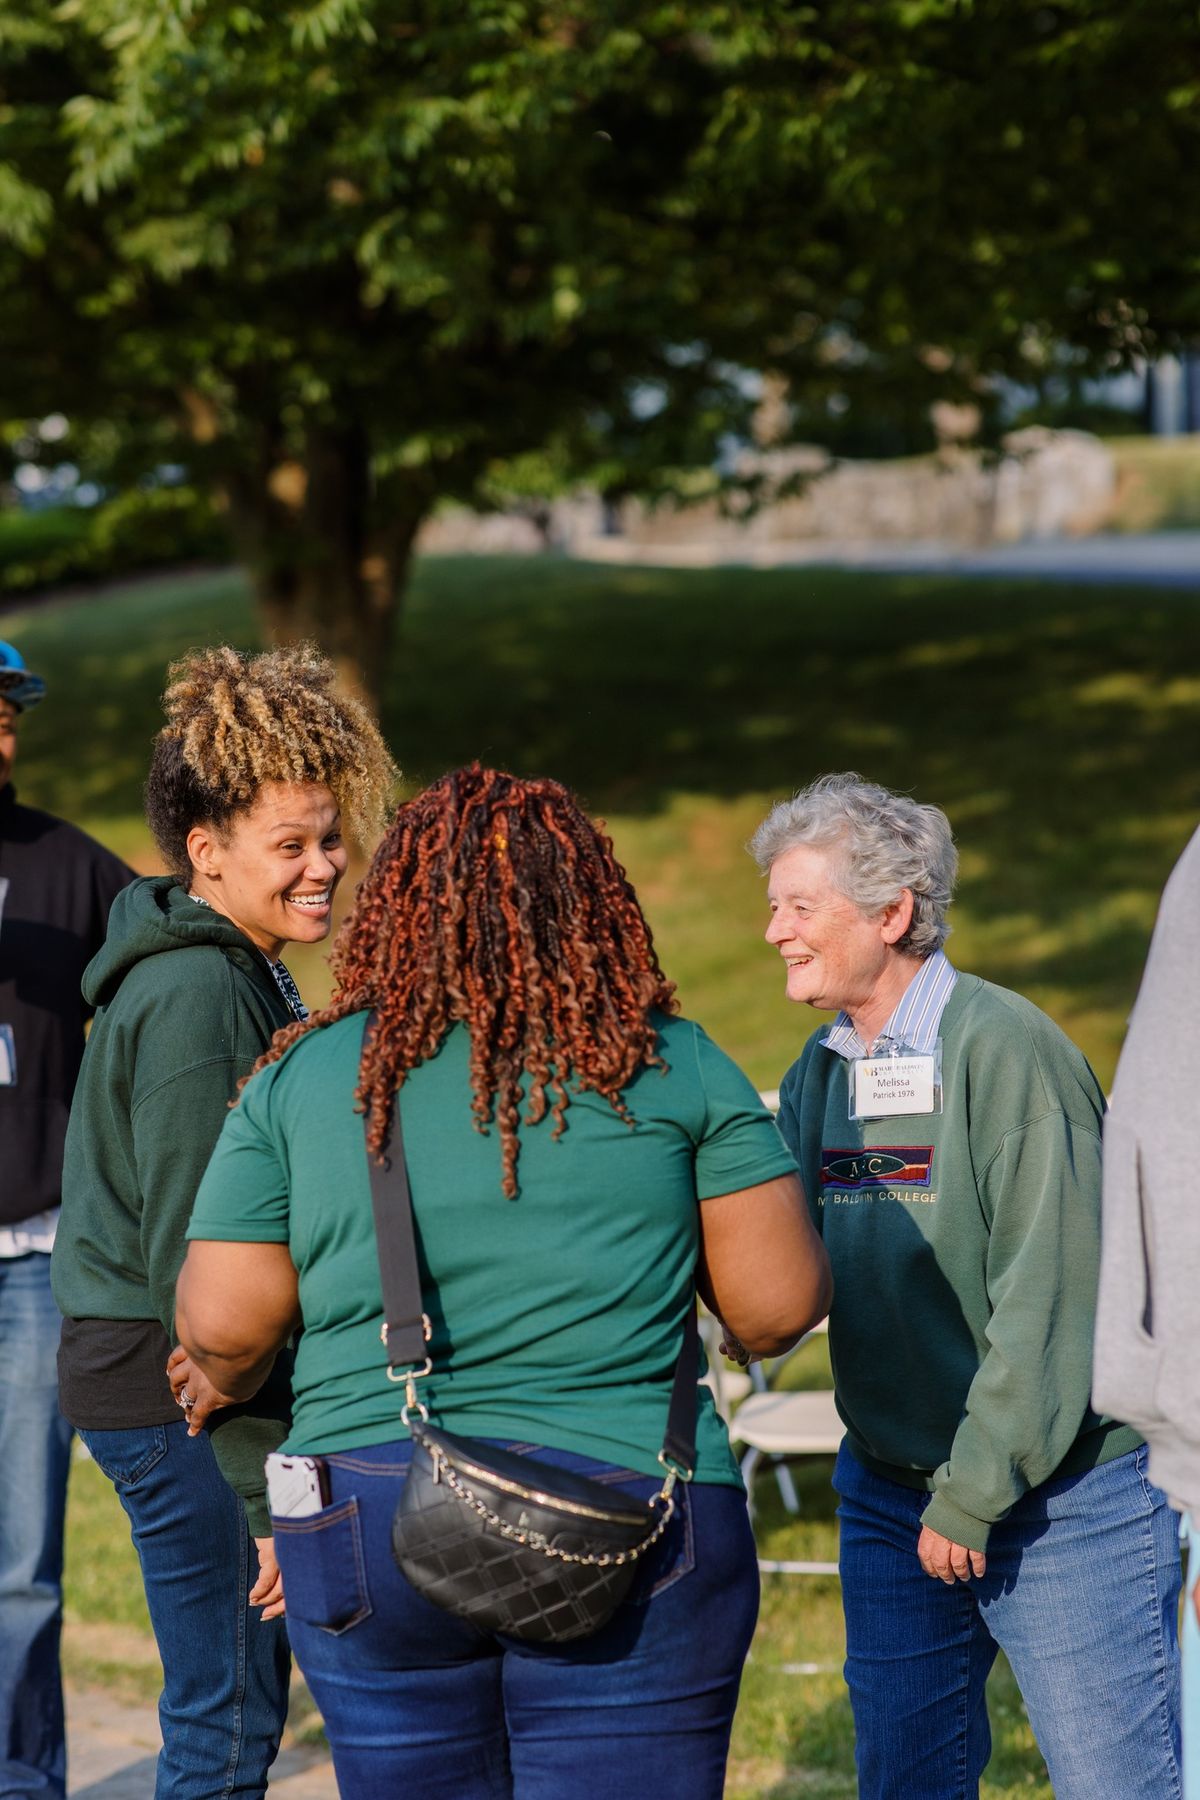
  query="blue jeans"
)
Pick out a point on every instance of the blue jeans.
point(418, 1702)
point(35, 1453)
point(225, 1671)
point(1081, 1593)
point(1191, 1668)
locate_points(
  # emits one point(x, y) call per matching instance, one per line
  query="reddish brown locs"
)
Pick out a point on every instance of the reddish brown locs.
point(498, 902)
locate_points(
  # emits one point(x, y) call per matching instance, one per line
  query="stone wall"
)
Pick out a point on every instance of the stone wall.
point(1045, 484)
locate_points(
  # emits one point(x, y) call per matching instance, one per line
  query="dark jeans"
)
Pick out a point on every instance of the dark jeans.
point(1081, 1593)
point(35, 1452)
point(225, 1672)
point(418, 1702)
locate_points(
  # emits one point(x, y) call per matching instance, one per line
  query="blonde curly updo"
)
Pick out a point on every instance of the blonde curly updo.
point(237, 722)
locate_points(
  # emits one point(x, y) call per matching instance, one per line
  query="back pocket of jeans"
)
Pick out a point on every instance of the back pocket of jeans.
point(126, 1455)
point(324, 1572)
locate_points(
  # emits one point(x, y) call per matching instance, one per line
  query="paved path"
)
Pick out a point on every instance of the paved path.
point(113, 1749)
point(1158, 559)
point(1161, 559)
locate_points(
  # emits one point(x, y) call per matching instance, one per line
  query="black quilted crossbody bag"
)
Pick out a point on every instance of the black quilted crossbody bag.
point(514, 1545)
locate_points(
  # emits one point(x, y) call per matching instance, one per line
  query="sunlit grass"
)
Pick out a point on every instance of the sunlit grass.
point(103, 1582)
point(107, 1640)
point(1057, 726)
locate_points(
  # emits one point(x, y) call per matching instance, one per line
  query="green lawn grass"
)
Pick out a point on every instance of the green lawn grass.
point(1057, 726)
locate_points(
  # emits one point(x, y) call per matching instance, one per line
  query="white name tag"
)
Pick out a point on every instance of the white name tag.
point(889, 1087)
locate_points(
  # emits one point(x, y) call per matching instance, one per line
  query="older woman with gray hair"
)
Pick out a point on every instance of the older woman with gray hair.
point(948, 1136)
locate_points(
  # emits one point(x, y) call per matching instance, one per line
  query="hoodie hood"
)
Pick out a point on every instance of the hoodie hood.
point(150, 917)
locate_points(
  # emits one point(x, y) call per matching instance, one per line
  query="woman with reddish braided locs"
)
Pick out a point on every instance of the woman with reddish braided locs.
point(550, 897)
point(581, 1158)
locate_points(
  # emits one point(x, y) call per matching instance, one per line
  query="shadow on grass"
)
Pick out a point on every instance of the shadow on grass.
point(1056, 725)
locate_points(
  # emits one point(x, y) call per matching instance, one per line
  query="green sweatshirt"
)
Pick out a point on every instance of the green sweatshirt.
point(965, 1261)
point(184, 1006)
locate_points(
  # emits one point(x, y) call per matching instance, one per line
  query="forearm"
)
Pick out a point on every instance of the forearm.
point(1031, 1393)
point(237, 1376)
point(757, 1335)
point(762, 1268)
point(236, 1306)
point(236, 1369)
point(1023, 1413)
point(994, 1462)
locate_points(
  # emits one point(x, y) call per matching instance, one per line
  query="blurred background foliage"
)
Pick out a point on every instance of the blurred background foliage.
point(339, 264)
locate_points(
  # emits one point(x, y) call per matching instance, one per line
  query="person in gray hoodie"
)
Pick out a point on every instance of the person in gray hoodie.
point(1147, 1352)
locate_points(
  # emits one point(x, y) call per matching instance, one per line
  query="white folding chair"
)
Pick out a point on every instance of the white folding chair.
point(778, 1424)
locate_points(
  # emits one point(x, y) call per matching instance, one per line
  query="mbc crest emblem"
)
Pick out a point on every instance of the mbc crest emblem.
point(899, 1165)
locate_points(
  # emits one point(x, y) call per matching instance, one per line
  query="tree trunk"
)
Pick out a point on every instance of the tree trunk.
point(321, 569)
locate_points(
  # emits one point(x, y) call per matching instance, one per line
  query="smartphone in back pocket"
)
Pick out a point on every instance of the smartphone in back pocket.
point(296, 1485)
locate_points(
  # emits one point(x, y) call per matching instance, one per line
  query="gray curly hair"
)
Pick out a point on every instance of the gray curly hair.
point(884, 842)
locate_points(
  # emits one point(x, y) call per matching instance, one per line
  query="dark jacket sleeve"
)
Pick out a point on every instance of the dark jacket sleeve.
point(1030, 1394)
point(170, 1163)
point(791, 1090)
point(244, 1436)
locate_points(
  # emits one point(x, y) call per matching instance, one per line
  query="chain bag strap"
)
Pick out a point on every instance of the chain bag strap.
point(515, 1545)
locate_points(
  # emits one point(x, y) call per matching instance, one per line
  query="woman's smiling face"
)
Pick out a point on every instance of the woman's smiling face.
point(273, 869)
point(835, 954)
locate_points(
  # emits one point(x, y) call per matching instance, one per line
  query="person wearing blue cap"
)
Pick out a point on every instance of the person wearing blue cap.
point(56, 887)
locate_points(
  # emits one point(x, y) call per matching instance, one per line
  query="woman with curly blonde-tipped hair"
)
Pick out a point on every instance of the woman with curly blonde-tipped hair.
point(258, 772)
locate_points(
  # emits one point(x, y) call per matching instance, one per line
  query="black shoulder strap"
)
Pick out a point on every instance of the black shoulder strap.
point(399, 1274)
point(679, 1444)
point(404, 1329)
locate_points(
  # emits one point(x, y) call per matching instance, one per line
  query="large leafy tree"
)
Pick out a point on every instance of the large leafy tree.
point(358, 258)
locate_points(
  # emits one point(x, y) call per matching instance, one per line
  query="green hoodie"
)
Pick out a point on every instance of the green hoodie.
point(185, 1004)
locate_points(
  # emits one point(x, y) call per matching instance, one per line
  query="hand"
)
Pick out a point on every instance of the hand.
point(947, 1561)
point(733, 1347)
point(267, 1591)
point(193, 1390)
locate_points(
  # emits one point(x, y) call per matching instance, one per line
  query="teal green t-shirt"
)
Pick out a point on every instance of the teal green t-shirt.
point(557, 1316)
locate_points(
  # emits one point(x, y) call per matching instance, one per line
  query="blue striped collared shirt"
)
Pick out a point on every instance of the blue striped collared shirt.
point(915, 1021)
